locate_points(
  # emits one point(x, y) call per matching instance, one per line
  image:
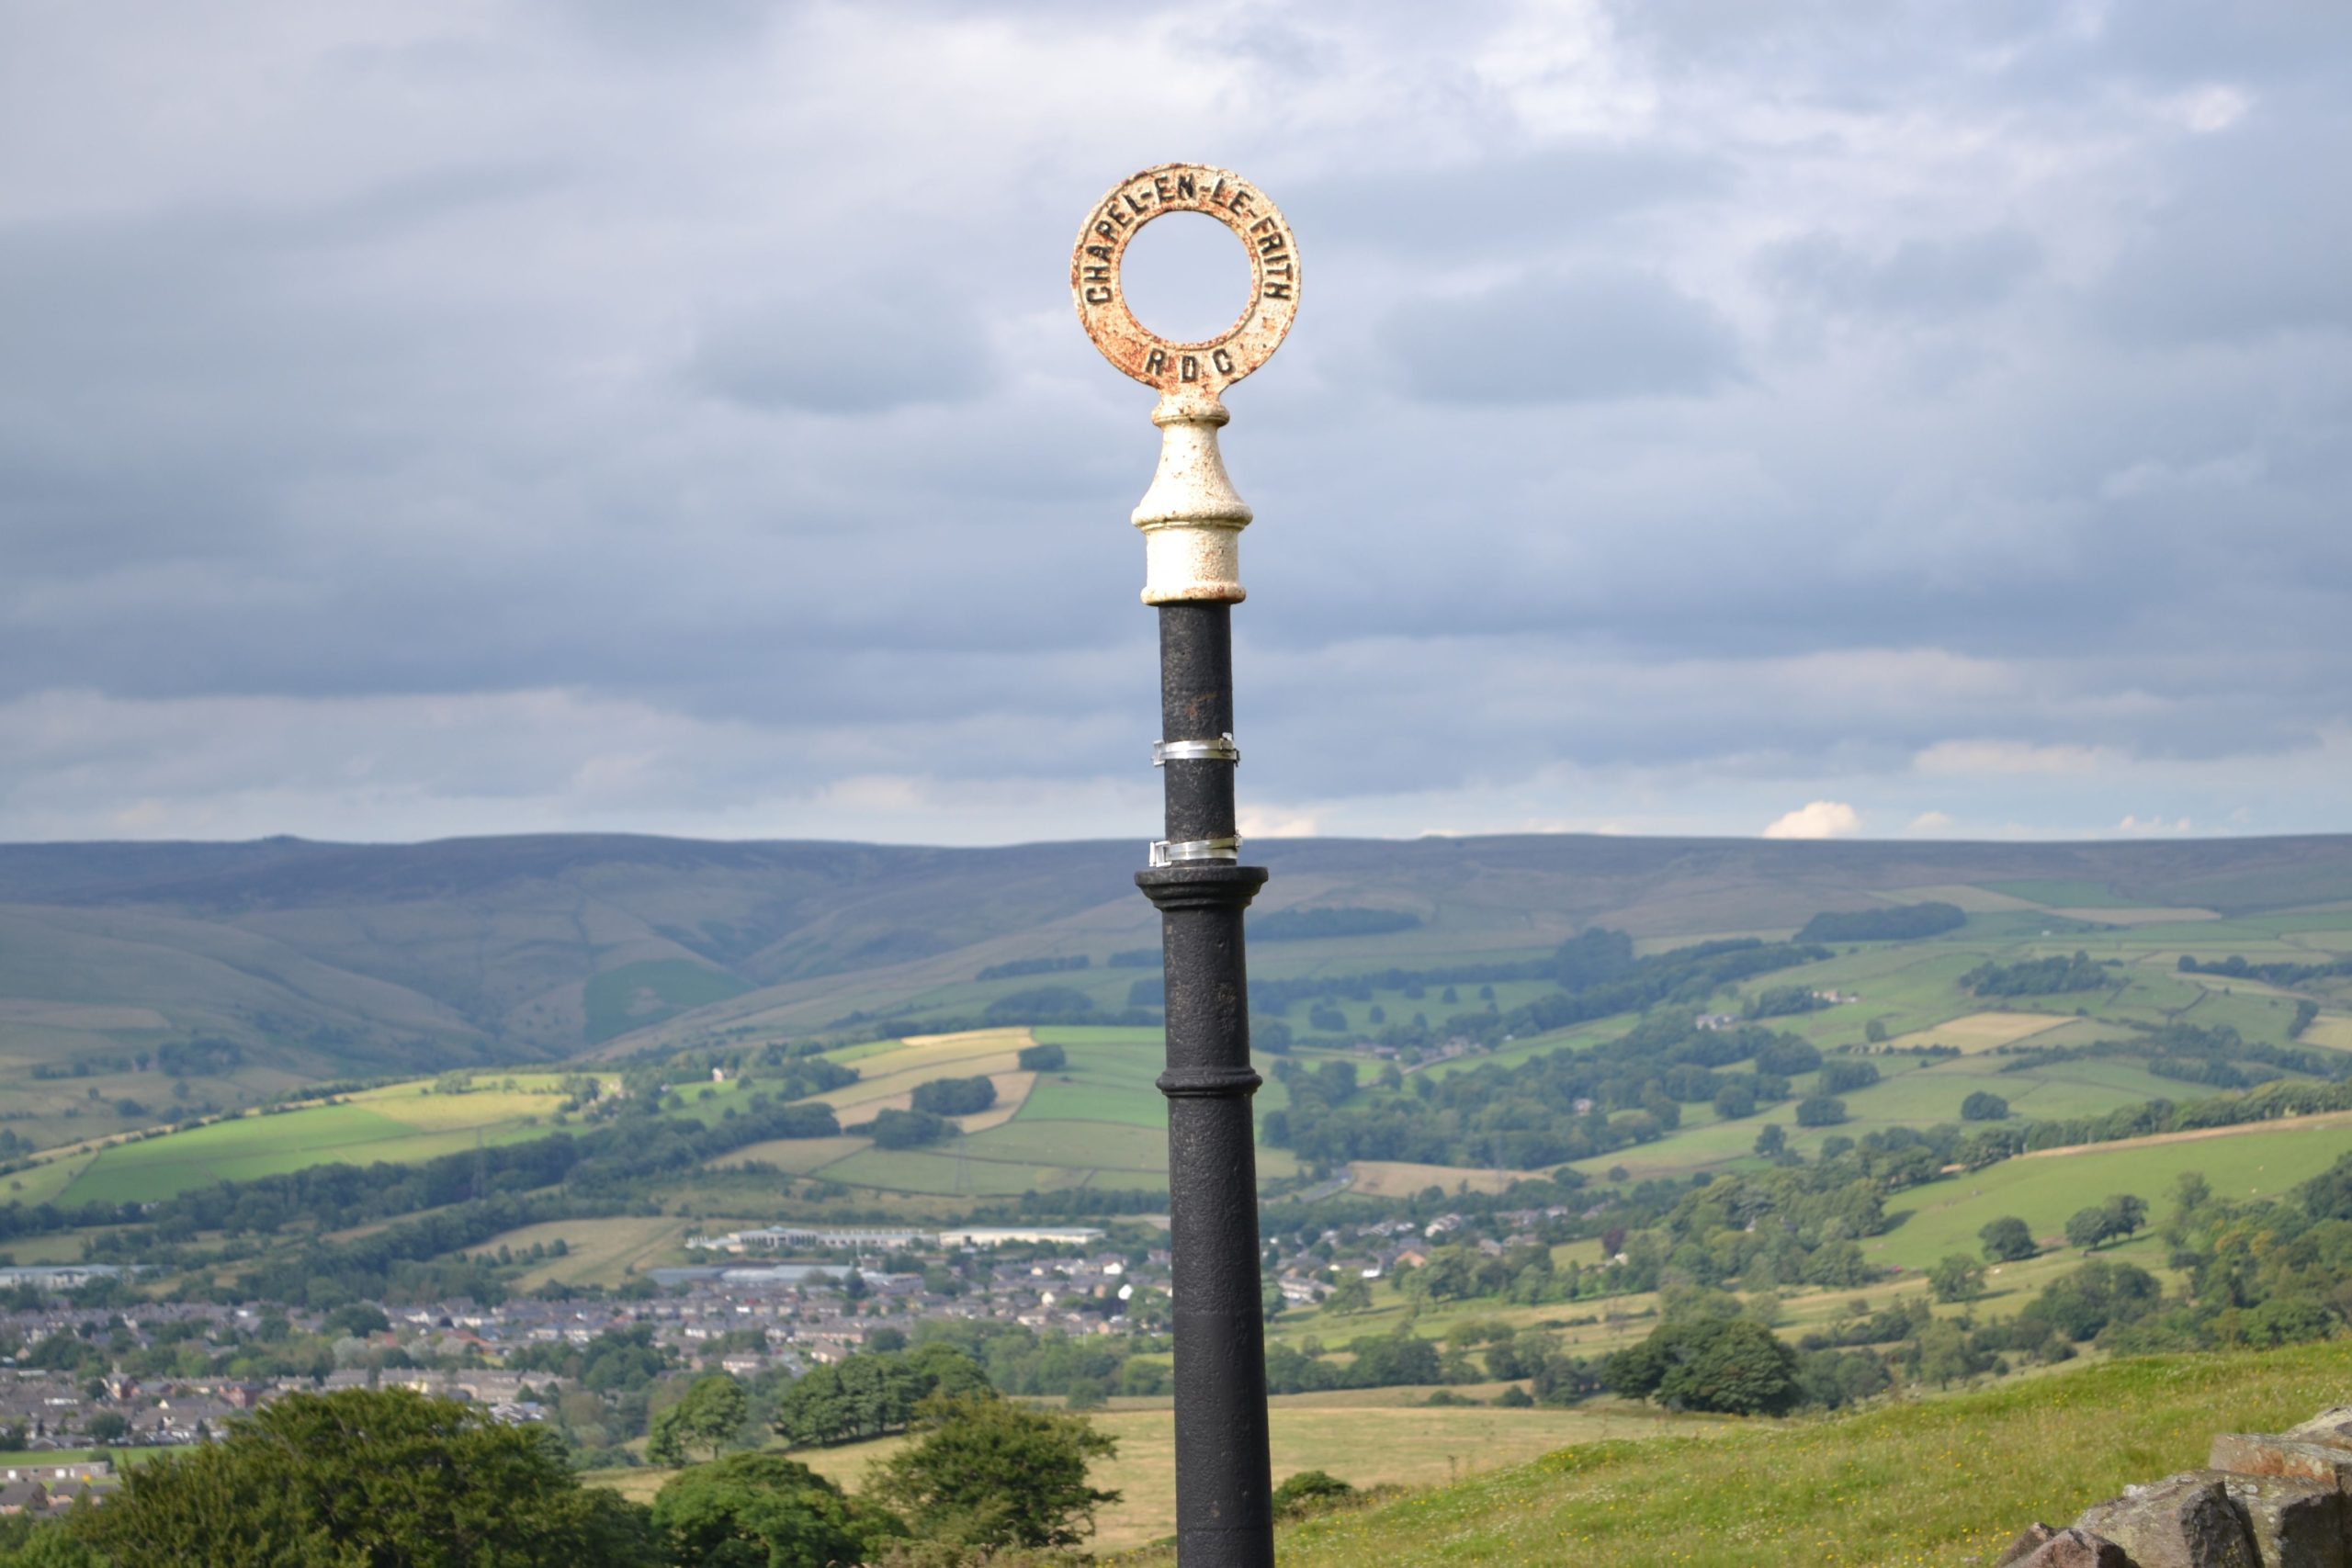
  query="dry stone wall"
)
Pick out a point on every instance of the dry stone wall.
point(2263, 1500)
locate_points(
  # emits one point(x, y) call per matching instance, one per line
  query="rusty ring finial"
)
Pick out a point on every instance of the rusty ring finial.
point(1190, 375)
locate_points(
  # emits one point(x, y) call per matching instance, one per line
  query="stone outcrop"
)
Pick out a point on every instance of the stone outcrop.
point(2265, 1501)
point(2295, 1523)
point(2041, 1547)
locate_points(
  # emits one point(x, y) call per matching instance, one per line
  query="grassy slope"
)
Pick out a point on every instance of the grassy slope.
point(1375, 1437)
point(1942, 1481)
point(400, 1124)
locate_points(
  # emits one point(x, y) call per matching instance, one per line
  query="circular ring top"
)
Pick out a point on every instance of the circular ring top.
point(1187, 372)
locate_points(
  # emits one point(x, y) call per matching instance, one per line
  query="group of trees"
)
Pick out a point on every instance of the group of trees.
point(2290, 975)
point(872, 1394)
point(955, 1097)
point(1798, 1224)
point(396, 1479)
point(1016, 968)
point(2038, 976)
point(1307, 925)
point(1902, 922)
point(1562, 1106)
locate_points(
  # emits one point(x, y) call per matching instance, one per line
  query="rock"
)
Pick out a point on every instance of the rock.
point(2182, 1521)
point(2029, 1538)
point(2074, 1548)
point(2295, 1522)
point(2250, 1453)
point(2332, 1426)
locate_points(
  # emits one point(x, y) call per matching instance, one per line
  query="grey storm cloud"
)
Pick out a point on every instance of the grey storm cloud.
point(436, 419)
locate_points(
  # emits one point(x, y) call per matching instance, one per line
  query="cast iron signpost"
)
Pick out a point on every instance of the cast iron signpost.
point(1192, 524)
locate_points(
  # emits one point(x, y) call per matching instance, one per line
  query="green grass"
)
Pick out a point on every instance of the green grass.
point(1944, 1216)
point(1109, 1078)
point(399, 1125)
point(637, 994)
point(1941, 1483)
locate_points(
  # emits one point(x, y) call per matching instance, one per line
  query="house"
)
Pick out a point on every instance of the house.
point(17, 1497)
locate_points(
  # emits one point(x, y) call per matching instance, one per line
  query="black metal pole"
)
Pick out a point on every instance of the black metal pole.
point(1224, 1515)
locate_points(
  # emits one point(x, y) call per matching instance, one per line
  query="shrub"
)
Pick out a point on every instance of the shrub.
point(1309, 1491)
point(955, 1097)
point(2007, 1240)
point(1843, 1078)
point(905, 1129)
point(1821, 1110)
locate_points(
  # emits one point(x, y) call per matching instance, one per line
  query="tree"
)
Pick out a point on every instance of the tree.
point(106, 1426)
point(2086, 1228)
point(708, 1417)
point(1956, 1278)
point(763, 1510)
point(367, 1477)
point(989, 1473)
point(1733, 1365)
point(1943, 1354)
point(905, 1129)
point(1983, 1106)
point(1735, 1098)
point(868, 1395)
point(2125, 1214)
point(1820, 1110)
point(1353, 1293)
point(1771, 1140)
point(2007, 1240)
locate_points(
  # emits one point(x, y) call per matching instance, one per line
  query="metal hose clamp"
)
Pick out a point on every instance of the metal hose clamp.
point(1221, 749)
point(1192, 852)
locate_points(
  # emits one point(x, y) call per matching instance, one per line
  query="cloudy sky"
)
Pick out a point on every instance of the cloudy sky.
point(1704, 416)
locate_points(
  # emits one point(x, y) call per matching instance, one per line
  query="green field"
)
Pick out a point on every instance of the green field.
point(1110, 1079)
point(2043, 1189)
point(399, 1125)
point(1944, 1483)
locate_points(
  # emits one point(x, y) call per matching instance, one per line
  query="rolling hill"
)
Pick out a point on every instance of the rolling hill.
point(139, 978)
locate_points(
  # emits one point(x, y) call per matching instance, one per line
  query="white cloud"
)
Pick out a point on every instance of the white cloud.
point(2142, 825)
point(1817, 819)
point(2208, 109)
point(1276, 822)
point(1931, 822)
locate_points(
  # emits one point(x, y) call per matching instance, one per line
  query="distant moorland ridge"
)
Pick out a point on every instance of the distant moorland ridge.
point(316, 959)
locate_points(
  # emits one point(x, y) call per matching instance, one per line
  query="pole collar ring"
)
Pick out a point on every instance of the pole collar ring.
point(1221, 749)
point(1190, 851)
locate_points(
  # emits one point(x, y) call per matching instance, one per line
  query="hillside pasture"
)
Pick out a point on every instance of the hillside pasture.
point(801, 1156)
point(1401, 1178)
point(1944, 1482)
point(888, 1079)
point(398, 1125)
point(601, 1251)
point(2258, 1160)
point(1371, 1438)
point(1976, 1032)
